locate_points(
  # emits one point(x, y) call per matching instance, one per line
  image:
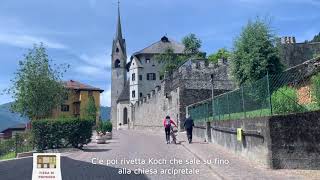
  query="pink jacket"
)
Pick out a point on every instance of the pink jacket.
point(171, 122)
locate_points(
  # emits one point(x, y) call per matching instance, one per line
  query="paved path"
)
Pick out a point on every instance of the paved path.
point(138, 146)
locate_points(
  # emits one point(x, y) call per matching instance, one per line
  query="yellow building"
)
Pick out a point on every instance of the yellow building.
point(77, 99)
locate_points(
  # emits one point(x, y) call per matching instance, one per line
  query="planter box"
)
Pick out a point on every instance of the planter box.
point(108, 135)
point(101, 139)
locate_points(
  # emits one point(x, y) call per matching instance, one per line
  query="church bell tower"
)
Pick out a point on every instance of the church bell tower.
point(119, 72)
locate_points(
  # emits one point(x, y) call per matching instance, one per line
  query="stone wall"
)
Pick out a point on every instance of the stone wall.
point(150, 112)
point(186, 86)
point(295, 141)
point(287, 141)
point(255, 144)
point(144, 108)
point(297, 53)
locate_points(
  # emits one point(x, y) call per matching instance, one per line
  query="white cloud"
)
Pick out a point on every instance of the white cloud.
point(14, 32)
point(105, 98)
point(95, 66)
point(91, 71)
point(100, 60)
point(27, 41)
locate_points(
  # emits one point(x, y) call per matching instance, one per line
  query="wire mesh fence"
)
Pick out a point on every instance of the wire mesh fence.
point(18, 143)
point(284, 93)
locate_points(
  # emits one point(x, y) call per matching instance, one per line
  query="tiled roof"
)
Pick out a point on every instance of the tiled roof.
point(71, 84)
point(15, 127)
point(160, 47)
point(125, 94)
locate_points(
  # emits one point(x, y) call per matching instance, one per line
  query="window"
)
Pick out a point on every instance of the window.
point(117, 63)
point(65, 97)
point(133, 94)
point(148, 61)
point(117, 50)
point(197, 65)
point(151, 76)
point(90, 93)
point(140, 77)
point(64, 108)
point(140, 94)
point(133, 76)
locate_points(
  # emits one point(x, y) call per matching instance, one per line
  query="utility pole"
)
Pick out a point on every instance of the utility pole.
point(212, 95)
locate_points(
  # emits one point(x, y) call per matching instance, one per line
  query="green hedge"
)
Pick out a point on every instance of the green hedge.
point(315, 88)
point(59, 133)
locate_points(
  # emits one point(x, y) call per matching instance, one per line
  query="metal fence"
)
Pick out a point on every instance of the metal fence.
point(284, 93)
point(9, 148)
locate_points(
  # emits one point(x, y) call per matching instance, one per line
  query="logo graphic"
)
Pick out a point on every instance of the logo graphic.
point(46, 166)
point(47, 161)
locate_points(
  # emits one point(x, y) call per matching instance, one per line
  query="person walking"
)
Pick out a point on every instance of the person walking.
point(167, 127)
point(188, 125)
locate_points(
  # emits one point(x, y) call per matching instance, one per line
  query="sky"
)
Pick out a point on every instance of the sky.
point(80, 32)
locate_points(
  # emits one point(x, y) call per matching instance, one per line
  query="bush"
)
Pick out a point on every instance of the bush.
point(108, 126)
point(104, 127)
point(315, 88)
point(58, 133)
point(285, 100)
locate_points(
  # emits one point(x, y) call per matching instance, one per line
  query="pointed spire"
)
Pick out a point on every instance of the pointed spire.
point(119, 31)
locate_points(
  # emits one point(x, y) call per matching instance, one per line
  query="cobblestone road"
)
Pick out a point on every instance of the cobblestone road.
point(132, 150)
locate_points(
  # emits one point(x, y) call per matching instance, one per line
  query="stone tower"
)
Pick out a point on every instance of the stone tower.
point(119, 72)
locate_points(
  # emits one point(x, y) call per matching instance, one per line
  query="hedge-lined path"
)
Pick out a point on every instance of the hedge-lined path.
point(144, 145)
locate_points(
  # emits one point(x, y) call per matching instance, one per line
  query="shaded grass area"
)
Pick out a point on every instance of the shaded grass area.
point(9, 155)
point(237, 115)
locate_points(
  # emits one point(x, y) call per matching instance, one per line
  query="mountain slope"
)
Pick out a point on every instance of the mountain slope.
point(8, 119)
point(105, 112)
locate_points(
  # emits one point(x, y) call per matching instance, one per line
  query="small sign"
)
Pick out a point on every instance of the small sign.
point(46, 166)
point(239, 134)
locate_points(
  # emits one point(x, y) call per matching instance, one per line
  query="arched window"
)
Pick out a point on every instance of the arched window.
point(117, 50)
point(117, 63)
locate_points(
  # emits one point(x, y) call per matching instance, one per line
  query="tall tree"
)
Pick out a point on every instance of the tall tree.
point(220, 54)
point(91, 109)
point(255, 53)
point(37, 87)
point(192, 46)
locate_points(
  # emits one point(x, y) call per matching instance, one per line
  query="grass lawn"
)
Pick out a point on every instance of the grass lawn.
point(239, 115)
point(9, 155)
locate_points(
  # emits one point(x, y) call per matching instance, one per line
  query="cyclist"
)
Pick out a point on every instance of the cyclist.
point(167, 125)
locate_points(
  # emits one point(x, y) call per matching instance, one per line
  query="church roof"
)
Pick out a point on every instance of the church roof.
point(125, 94)
point(160, 47)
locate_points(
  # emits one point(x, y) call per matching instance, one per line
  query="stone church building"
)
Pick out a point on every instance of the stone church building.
point(140, 96)
point(143, 71)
